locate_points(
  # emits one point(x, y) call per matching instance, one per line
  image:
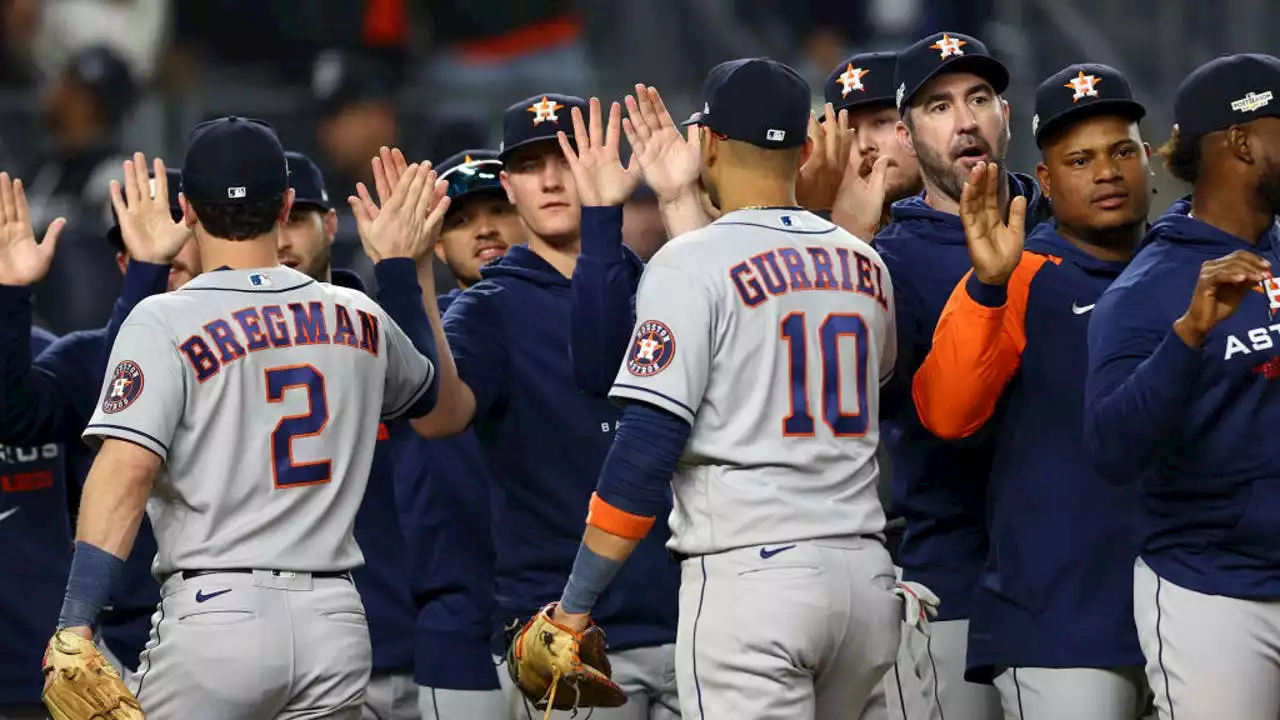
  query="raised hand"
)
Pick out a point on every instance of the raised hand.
point(593, 158)
point(146, 225)
point(1222, 285)
point(669, 160)
point(820, 178)
point(859, 202)
point(23, 262)
point(995, 246)
point(408, 223)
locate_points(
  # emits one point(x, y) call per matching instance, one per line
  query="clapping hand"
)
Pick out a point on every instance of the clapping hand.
point(669, 160)
point(820, 178)
point(413, 204)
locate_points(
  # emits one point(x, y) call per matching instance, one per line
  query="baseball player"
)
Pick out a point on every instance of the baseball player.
point(49, 401)
point(952, 117)
point(383, 580)
point(35, 526)
point(236, 384)
point(786, 601)
point(444, 486)
point(1180, 398)
point(1062, 540)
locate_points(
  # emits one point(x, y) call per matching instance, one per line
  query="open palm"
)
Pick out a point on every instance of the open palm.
point(23, 262)
point(142, 209)
point(995, 246)
point(593, 158)
point(669, 160)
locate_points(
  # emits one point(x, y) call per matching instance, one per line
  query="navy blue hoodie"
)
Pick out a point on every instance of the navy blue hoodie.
point(35, 530)
point(444, 490)
point(604, 300)
point(545, 441)
point(939, 488)
point(1192, 426)
point(1062, 540)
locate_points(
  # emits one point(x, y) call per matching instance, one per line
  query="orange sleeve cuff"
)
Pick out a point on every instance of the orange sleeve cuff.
point(617, 522)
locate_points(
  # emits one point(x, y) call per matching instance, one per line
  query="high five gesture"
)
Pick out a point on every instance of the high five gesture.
point(23, 262)
point(995, 245)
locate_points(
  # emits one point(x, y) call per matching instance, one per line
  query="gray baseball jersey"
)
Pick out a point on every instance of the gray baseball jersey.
point(261, 390)
point(770, 331)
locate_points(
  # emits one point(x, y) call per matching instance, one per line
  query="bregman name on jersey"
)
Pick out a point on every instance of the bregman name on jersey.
point(271, 326)
point(777, 272)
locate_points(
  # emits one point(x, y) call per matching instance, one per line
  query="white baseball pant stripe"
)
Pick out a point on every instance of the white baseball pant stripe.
point(1072, 693)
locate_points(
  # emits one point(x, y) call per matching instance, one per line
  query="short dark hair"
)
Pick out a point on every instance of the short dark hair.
point(241, 221)
point(1182, 157)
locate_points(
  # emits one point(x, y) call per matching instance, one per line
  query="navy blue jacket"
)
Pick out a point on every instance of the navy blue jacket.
point(1193, 427)
point(35, 530)
point(545, 442)
point(444, 492)
point(383, 580)
point(939, 487)
point(50, 400)
point(1062, 540)
point(604, 300)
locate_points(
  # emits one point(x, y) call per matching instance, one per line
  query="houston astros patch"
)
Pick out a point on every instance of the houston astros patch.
point(123, 388)
point(652, 349)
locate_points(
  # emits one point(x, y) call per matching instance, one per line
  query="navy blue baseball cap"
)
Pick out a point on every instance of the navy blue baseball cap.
point(942, 53)
point(234, 161)
point(758, 101)
point(536, 119)
point(174, 179)
point(861, 81)
point(1079, 91)
point(307, 182)
point(472, 171)
point(1228, 90)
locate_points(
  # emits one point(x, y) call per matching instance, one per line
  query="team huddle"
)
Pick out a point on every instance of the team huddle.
point(670, 488)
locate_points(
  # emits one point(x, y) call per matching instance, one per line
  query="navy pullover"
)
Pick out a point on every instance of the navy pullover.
point(1193, 427)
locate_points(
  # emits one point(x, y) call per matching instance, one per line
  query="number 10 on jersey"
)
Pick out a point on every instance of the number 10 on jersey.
point(850, 421)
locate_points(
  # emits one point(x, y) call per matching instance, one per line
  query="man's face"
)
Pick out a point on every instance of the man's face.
point(306, 241)
point(477, 229)
point(1266, 134)
point(876, 129)
point(957, 122)
point(539, 184)
point(1098, 174)
point(185, 265)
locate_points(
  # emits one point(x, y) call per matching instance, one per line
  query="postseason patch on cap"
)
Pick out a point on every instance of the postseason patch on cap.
point(124, 387)
point(652, 350)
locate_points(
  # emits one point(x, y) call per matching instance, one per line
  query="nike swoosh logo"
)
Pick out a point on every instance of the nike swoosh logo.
point(201, 596)
point(1081, 310)
point(8, 513)
point(766, 553)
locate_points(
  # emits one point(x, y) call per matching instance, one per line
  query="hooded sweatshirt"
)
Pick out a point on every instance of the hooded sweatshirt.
point(545, 442)
point(1192, 426)
point(939, 487)
point(1062, 542)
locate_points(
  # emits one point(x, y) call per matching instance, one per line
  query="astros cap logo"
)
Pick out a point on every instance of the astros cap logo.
point(545, 110)
point(652, 349)
point(1084, 86)
point(948, 46)
point(125, 387)
point(851, 79)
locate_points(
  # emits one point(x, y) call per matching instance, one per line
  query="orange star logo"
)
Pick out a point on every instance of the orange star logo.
point(851, 79)
point(466, 159)
point(949, 46)
point(545, 110)
point(1084, 86)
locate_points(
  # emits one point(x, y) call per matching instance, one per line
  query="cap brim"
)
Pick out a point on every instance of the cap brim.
point(312, 203)
point(1131, 109)
point(694, 119)
point(510, 150)
point(984, 66)
point(861, 103)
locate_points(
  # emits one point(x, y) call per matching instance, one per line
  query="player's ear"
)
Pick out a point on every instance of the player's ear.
point(805, 152)
point(122, 262)
point(1046, 184)
point(287, 206)
point(904, 138)
point(188, 213)
point(440, 251)
point(506, 185)
point(330, 226)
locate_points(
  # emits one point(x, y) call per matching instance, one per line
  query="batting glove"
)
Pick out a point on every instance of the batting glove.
point(919, 604)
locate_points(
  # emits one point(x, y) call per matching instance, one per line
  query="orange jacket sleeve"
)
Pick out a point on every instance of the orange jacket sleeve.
point(976, 350)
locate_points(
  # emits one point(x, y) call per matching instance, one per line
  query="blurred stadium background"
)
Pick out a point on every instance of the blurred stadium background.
point(84, 81)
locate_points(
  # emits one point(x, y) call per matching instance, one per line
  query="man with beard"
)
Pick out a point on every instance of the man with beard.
point(952, 117)
point(1062, 540)
point(1182, 401)
point(545, 441)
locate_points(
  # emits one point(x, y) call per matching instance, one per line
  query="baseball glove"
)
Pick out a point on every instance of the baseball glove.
point(557, 668)
point(80, 684)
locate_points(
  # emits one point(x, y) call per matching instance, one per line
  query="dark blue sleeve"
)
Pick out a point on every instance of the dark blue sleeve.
point(603, 294)
point(475, 332)
point(895, 396)
point(1140, 379)
point(636, 476)
point(401, 296)
point(141, 281)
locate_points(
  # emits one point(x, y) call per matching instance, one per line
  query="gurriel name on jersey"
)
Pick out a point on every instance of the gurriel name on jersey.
point(782, 270)
point(271, 326)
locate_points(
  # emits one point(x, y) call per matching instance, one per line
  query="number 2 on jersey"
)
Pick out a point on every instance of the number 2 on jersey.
point(280, 380)
point(832, 328)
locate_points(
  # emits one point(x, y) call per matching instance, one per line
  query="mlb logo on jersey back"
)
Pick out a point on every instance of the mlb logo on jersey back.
point(261, 280)
point(124, 387)
point(652, 349)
